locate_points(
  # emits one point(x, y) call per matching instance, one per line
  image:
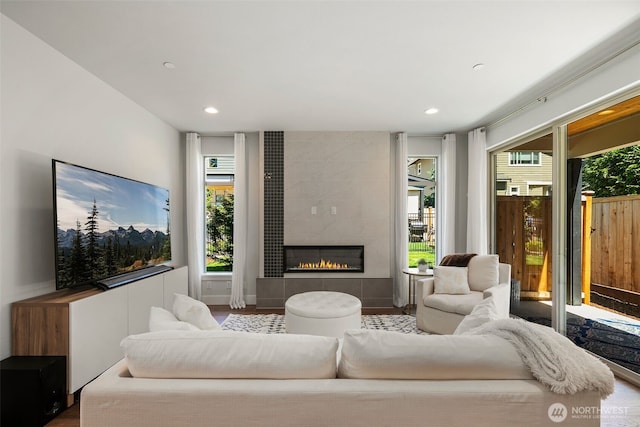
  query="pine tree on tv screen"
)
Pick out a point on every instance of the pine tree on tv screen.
point(106, 225)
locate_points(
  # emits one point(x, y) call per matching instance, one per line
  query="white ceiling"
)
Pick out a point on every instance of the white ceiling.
point(332, 65)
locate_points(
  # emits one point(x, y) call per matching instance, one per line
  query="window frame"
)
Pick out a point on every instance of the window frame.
point(227, 178)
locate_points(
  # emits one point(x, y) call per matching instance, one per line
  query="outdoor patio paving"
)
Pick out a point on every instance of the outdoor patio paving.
point(611, 318)
point(608, 334)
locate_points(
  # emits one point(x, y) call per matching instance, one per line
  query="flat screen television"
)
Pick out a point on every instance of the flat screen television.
point(106, 227)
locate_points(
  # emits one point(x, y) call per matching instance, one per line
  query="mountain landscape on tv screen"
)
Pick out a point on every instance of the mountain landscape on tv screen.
point(107, 225)
point(116, 251)
point(123, 236)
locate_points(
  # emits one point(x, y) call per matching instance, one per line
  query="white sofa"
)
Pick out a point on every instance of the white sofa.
point(379, 378)
point(441, 313)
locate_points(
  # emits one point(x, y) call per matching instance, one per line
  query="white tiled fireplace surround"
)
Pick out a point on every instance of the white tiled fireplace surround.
point(336, 190)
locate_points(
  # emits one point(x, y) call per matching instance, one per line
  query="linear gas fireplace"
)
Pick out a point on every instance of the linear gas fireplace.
point(327, 259)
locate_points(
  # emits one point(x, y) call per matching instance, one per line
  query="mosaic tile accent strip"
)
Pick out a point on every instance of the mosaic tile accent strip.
point(273, 202)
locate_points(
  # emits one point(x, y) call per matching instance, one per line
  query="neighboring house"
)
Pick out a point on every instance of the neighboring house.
point(422, 168)
point(219, 174)
point(523, 173)
point(421, 174)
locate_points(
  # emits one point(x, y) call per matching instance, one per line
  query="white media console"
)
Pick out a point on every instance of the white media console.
point(87, 325)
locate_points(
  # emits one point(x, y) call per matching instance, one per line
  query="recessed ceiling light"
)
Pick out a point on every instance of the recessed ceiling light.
point(211, 110)
point(431, 110)
point(606, 112)
point(478, 66)
point(169, 65)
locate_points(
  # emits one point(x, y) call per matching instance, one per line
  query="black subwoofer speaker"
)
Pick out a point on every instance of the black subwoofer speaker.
point(33, 390)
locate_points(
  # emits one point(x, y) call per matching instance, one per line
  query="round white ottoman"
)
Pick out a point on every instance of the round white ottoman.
point(322, 313)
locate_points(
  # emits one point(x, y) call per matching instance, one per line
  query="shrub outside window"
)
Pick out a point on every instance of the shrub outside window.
point(219, 185)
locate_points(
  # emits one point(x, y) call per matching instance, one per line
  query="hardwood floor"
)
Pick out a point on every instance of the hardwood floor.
point(621, 409)
point(69, 418)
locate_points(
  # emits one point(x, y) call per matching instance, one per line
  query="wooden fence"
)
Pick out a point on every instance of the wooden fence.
point(523, 239)
point(615, 242)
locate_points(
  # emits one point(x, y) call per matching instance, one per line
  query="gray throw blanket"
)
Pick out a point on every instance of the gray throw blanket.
point(552, 358)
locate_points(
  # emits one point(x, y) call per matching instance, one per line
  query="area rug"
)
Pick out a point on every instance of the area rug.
point(618, 345)
point(274, 323)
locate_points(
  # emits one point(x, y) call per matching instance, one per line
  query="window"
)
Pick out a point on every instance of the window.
point(524, 158)
point(421, 210)
point(514, 190)
point(219, 182)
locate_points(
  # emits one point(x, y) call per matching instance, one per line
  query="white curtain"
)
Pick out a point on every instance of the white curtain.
point(477, 196)
point(240, 223)
point(447, 216)
point(195, 213)
point(401, 290)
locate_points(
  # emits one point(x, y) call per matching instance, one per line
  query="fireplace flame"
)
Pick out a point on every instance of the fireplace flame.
point(323, 265)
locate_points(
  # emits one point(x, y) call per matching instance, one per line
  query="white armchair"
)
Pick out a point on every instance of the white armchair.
point(440, 312)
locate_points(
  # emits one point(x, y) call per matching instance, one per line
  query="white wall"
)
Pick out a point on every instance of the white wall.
point(52, 108)
point(424, 146)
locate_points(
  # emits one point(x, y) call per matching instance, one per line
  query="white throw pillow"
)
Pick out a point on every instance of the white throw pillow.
point(483, 272)
point(450, 280)
point(370, 353)
point(193, 311)
point(229, 354)
point(164, 320)
point(481, 314)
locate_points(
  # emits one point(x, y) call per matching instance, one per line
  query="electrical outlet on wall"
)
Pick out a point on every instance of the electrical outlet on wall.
point(228, 284)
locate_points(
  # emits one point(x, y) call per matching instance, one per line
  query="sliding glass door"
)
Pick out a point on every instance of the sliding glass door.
point(603, 240)
point(566, 216)
point(523, 225)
